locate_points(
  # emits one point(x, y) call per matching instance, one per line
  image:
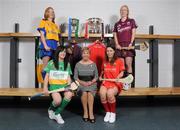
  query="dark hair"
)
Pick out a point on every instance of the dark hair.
point(56, 58)
point(114, 57)
point(68, 46)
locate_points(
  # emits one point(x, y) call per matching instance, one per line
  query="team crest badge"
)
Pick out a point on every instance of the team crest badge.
point(128, 23)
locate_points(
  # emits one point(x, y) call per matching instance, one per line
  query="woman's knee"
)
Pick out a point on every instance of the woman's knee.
point(90, 95)
point(56, 98)
point(102, 90)
point(129, 61)
point(84, 93)
point(57, 101)
point(103, 96)
point(128, 64)
point(84, 96)
point(110, 95)
point(68, 95)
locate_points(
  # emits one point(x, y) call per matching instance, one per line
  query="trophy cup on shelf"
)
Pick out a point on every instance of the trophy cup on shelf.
point(95, 25)
point(73, 27)
point(74, 24)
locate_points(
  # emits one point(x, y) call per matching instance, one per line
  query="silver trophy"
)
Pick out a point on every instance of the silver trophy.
point(94, 25)
point(74, 24)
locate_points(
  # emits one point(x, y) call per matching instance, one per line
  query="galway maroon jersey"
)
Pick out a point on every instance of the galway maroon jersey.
point(124, 31)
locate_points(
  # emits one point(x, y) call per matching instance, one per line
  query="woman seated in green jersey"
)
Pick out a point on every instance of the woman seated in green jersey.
point(58, 73)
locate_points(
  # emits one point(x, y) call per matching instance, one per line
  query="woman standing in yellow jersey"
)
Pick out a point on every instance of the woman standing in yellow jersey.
point(49, 35)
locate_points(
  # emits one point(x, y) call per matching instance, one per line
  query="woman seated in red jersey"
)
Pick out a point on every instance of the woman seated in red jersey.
point(112, 68)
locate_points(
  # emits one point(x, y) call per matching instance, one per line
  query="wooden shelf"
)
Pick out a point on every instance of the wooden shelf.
point(138, 36)
point(82, 35)
point(4, 35)
point(25, 35)
point(168, 37)
point(22, 35)
point(65, 35)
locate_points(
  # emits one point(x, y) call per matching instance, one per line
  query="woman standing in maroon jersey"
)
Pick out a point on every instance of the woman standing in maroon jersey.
point(124, 35)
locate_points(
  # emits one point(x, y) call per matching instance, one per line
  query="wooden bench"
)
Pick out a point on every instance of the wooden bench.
point(130, 92)
point(151, 92)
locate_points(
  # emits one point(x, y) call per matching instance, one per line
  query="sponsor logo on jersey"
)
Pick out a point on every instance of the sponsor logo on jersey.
point(124, 29)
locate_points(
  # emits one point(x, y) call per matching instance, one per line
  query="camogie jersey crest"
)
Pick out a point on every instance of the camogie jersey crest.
point(58, 77)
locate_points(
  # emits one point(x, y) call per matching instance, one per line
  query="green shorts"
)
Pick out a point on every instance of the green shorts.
point(55, 87)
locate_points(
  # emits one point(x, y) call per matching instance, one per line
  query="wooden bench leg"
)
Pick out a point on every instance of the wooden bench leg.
point(17, 99)
point(150, 99)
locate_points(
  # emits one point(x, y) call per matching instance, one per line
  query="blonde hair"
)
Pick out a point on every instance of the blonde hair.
point(46, 14)
point(85, 49)
point(125, 6)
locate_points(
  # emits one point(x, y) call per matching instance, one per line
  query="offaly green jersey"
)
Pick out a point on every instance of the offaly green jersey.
point(57, 78)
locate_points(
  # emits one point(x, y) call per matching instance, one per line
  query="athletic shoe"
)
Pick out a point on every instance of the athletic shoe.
point(59, 119)
point(51, 114)
point(112, 118)
point(107, 117)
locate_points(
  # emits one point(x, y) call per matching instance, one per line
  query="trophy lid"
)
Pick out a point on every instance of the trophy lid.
point(94, 21)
